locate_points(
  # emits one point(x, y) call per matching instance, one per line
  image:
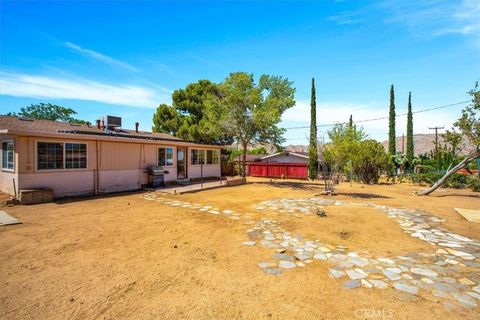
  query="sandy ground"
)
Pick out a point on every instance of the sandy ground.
point(124, 257)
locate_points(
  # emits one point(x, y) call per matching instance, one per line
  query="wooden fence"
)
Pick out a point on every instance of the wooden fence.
point(286, 170)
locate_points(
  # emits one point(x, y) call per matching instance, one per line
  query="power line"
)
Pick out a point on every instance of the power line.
point(383, 118)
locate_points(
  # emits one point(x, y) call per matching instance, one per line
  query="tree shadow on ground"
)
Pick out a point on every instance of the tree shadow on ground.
point(293, 185)
point(72, 199)
point(360, 195)
point(476, 196)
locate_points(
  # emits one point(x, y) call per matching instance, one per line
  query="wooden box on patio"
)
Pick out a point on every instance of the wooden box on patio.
point(36, 196)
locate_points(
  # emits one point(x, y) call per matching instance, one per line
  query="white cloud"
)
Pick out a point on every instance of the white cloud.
point(334, 112)
point(23, 85)
point(436, 17)
point(99, 56)
point(346, 18)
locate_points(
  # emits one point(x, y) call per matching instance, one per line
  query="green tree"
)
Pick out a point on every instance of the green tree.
point(233, 153)
point(166, 120)
point(189, 116)
point(391, 124)
point(312, 149)
point(48, 111)
point(370, 161)
point(400, 160)
point(454, 139)
point(259, 150)
point(469, 126)
point(350, 151)
point(250, 112)
point(469, 122)
point(343, 147)
point(410, 151)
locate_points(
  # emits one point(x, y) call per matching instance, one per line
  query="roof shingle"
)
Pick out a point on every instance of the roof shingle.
point(31, 126)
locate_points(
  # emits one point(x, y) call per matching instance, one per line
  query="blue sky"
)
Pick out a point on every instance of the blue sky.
point(124, 58)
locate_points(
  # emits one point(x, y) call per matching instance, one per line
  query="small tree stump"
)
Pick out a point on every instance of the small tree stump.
point(321, 213)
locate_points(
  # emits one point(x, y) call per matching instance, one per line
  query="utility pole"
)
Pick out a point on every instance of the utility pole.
point(436, 143)
point(403, 143)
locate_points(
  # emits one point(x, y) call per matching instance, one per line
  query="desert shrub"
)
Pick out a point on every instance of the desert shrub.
point(424, 168)
point(457, 181)
point(456, 185)
point(371, 161)
point(474, 184)
point(425, 178)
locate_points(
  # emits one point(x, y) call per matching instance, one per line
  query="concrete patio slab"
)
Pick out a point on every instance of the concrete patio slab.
point(6, 219)
point(471, 215)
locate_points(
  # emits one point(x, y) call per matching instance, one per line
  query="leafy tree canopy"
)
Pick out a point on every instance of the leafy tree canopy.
point(453, 139)
point(350, 151)
point(234, 153)
point(48, 111)
point(189, 118)
point(469, 122)
point(371, 161)
point(249, 112)
point(343, 147)
point(469, 126)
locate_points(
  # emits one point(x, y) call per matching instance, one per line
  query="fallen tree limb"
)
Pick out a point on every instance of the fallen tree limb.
point(459, 166)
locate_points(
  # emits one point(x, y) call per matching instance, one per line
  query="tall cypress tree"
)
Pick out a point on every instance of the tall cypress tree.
point(312, 149)
point(391, 124)
point(410, 153)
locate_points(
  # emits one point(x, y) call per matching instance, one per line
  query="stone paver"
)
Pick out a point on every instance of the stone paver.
point(450, 272)
point(352, 284)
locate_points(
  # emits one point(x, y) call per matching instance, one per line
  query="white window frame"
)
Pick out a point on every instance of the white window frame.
point(200, 152)
point(63, 151)
point(1, 155)
point(215, 151)
point(173, 156)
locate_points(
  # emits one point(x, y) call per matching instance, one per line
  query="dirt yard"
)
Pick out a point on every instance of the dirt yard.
point(123, 257)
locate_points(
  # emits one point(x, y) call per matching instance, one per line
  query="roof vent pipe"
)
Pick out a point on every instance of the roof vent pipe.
point(136, 127)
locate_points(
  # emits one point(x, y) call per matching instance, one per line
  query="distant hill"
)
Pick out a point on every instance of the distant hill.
point(422, 143)
point(297, 148)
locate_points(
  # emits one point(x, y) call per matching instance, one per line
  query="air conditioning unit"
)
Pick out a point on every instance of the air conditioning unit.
point(113, 123)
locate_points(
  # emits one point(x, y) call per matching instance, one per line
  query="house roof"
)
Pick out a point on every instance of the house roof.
point(296, 154)
point(33, 127)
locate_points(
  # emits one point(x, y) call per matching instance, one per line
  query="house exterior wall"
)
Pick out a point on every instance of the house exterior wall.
point(6, 182)
point(62, 183)
point(9, 178)
point(209, 170)
point(284, 158)
point(122, 166)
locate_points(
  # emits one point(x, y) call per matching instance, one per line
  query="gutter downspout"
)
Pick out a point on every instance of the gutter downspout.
point(97, 173)
point(140, 170)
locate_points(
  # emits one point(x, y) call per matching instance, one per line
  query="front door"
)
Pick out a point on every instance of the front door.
point(181, 163)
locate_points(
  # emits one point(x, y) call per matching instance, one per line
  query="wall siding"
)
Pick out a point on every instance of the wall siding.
point(122, 167)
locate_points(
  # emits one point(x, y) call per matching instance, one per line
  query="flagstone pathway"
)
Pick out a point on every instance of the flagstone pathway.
point(450, 274)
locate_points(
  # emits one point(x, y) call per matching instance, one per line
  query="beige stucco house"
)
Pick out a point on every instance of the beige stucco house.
point(77, 159)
